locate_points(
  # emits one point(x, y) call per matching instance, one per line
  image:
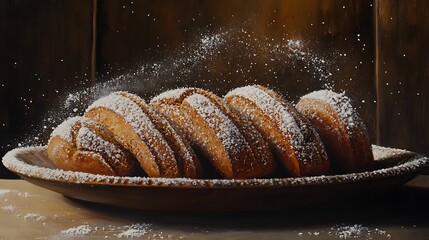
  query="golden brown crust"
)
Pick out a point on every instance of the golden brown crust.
point(207, 122)
point(235, 134)
point(168, 103)
point(316, 150)
point(134, 130)
point(65, 156)
point(259, 147)
point(80, 144)
point(345, 138)
point(188, 163)
point(289, 134)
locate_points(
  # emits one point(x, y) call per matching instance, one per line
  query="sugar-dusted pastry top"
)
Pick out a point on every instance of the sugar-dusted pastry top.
point(252, 132)
point(80, 143)
point(289, 134)
point(222, 137)
point(340, 103)
point(341, 129)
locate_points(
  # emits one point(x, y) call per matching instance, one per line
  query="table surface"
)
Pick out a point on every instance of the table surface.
point(30, 212)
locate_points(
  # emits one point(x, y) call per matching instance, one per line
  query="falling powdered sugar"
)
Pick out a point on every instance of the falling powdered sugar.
point(297, 50)
point(241, 54)
point(206, 47)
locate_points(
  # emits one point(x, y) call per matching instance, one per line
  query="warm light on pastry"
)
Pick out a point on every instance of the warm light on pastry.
point(134, 130)
point(289, 134)
point(341, 129)
point(253, 132)
point(234, 148)
point(81, 144)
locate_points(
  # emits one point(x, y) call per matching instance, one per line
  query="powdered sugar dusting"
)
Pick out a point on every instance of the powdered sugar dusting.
point(87, 139)
point(168, 102)
point(319, 67)
point(242, 53)
point(345, 232)
point(126, 108)
point(341, 104)
point(275, 110)
point(34, 217)
point(386, 152)
point(228, 133)
point(134, 116)
point(21, 160)
point(81, 230)
point(135, 231)
point(356, 231)
point(64, 130)
point(5, 191)
point(8, 208)
point(173, 94)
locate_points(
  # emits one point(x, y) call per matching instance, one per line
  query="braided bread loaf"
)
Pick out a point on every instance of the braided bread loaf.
point(253, 132)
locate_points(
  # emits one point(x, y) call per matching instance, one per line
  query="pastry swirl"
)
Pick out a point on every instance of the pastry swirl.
point(81, 144)
point(289, 134)
point(218, 132)
point(341, 129)
point(252, 132)
point(134, 130)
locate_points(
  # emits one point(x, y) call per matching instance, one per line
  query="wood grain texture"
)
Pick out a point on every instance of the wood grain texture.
point(403, 74)
point(46, 49)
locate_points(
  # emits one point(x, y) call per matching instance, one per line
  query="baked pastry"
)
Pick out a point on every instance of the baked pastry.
point(290, 135)
point(188, 163)
point(81, 144)
point(237, 135)
point(341, 129)
point(133, 129)
point(234, 148)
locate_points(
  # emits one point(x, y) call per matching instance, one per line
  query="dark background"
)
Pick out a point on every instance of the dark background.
point(57, 56)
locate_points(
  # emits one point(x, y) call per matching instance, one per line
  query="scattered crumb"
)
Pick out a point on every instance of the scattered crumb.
point(78, 231)
point(135, 231)
point(34, 217)
point(5, 191)
point(8, 208)
point(346, 232)
point(356, 231)
point(23, 194)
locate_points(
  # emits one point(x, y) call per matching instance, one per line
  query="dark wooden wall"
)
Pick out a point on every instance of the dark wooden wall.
point(403, 74)
point(45, 48)
point(54, 48)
